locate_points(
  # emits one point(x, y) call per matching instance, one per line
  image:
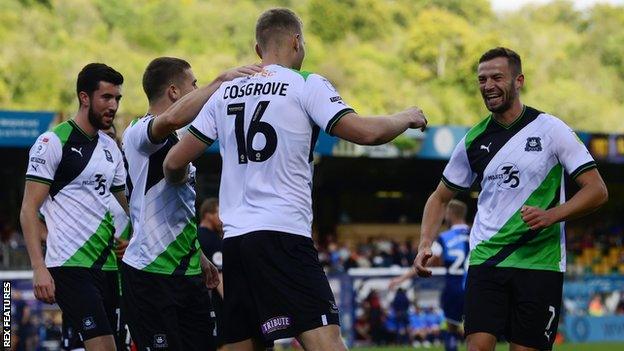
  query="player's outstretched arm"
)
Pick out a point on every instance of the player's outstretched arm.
point(34, 195)
point(433, 215)
point(592, 195)
point(175, 166)
point(183, 111)
point(378, 130)
point(396, 281)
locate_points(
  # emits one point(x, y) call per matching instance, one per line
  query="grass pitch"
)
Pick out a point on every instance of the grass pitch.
point(504, 347)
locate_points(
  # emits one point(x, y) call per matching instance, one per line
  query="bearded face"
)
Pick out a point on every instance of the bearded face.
point(103, 104)
point(499, 84)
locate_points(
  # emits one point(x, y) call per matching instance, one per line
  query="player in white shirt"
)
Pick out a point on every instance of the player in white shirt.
point(164, 291)
point(73, 172)
point(121, 233)
point(517, 156)
point(267, 125)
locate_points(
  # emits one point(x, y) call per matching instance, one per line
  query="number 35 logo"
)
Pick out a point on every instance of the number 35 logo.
point(507, 175)
point(100, 184)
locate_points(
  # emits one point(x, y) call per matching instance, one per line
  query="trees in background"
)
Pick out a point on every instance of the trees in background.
point(382, 55)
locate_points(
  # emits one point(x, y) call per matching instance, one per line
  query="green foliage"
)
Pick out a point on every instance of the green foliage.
point(382, 55)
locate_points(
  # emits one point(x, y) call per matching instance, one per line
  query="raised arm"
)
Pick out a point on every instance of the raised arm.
point(183, 111)
point(379, 129)
point(433, 215)
point(35, 194)
point(181, 154)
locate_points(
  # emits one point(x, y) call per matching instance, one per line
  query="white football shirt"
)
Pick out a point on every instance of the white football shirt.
point(267, 126)
point(82, 171)
point(517, 165)
point(164, 237)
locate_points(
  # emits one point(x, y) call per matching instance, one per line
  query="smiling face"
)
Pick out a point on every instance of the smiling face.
point(499, 84)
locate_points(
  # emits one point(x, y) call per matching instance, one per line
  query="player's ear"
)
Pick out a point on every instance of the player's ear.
point(173, 93)
point(519, 81)
point(84, 99)
point(258, 51)
point(295, 42)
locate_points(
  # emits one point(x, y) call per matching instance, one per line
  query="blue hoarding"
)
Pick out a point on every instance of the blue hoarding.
point(21, 129)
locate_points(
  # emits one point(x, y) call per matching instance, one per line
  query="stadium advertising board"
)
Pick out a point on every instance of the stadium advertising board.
point(594, 329)
point(21, 129)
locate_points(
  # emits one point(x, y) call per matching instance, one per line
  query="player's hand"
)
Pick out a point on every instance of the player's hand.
point(211, 274)
point(120, 247)
point(242, 71)
point(43, 285)
point(536, 217)
point(420, 263)
point(416, 117)
point(394, 282)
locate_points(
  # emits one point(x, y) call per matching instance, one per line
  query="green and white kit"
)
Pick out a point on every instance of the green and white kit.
point(82, 172)
point(517, 165)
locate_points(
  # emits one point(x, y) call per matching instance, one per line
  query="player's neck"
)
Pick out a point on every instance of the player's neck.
point(82, 121)
point(159, 106)
point(508, 117)
point(277, 58)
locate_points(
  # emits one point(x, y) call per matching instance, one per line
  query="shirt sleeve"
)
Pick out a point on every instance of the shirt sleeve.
point(322, 102)
point(139, 136)
point(204, 127)
point(44, 158)
point(119, 180)
point(570, 150)
point(436, 248)
point(458, 174)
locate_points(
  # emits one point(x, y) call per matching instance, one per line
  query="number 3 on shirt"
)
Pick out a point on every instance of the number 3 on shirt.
point(245, 145)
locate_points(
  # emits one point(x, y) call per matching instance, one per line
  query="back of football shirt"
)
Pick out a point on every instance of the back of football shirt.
point(267, 126)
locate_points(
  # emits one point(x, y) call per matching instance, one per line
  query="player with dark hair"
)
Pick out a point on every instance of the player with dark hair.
point(72, 172)
point(267, 125)
point(518, 156)
point(164, 274)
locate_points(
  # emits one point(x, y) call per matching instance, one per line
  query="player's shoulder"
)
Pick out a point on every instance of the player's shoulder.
point(60, 132)
point(447, 234)
point(47, 137)
point(476, 130)
point(106, 140)
point(136, 124)
point(46, 141)
point(293, 74)
point(552, 120)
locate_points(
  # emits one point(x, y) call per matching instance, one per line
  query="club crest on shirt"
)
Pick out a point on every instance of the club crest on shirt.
point(109, 157)
point(160, 341)
point(533, 144)
point(88, 323)
point(275, 324)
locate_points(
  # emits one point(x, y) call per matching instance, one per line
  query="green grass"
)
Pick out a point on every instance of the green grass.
point(564, 347)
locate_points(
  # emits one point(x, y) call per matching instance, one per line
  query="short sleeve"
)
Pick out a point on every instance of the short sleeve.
point(43, 158)
point(322, 102)
point(217, 259)
point(119, 180)
point(138, 135)
point(204, 127)
point(570, 150)
point(458, 174)
point(436, 248)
